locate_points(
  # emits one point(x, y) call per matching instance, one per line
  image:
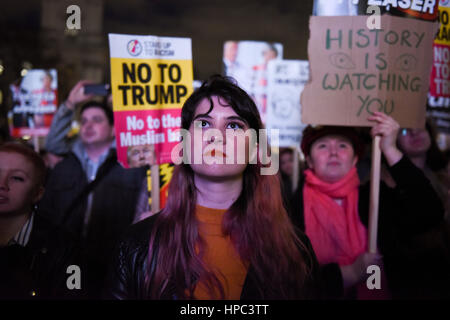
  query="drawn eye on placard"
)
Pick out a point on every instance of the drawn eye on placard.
point(282, 108)
point(406, 62)
point(342, 61)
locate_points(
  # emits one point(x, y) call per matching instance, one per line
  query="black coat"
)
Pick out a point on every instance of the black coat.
point(409, 209)
point(113, 207)
point(126, 278)
point(39, 270)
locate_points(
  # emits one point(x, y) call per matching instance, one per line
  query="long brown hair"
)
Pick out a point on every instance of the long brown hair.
point(257, 222)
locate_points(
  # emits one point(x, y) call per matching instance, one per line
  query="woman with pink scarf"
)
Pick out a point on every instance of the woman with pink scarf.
point(332, 207)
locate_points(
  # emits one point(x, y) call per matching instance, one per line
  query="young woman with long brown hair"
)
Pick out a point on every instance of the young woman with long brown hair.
point(224, 233)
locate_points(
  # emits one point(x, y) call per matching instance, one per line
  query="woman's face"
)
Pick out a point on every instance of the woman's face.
point(216, 162)
point(331, 158)
point(18, 190)
point(414, 142)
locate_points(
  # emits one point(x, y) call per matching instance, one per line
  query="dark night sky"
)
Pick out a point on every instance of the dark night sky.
point(207, 23)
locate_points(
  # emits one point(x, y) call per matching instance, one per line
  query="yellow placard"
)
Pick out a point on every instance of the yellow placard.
point(154, 84)
point(443, 36)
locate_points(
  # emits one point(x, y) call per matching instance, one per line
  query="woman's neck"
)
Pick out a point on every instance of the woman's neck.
point(217, 194)
point(10, 225)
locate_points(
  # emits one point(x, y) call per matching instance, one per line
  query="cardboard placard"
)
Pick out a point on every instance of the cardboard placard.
point(356, 70)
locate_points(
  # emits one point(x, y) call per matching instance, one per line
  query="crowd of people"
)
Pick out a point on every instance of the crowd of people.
point(226, 231)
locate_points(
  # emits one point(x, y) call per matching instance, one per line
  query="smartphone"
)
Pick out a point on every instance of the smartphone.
point(97, 89)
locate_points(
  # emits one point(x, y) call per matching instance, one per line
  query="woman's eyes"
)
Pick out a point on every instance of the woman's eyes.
point(234, 126)
point(202, 124)
point(341, 145)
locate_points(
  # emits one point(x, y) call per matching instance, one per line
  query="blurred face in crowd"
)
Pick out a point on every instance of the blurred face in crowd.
point(222, 117)
point(331, 158)
point(47, 82)
point(414, 142)
point(95, 128)
point(139, 156)
point(230, 50)
point(269, 54)
point(18, 187)
point(287, 163)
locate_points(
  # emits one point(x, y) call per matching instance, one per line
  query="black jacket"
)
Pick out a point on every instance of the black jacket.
point(39, 270)
point(113, 207)
point(126, 278)
point(411, 208)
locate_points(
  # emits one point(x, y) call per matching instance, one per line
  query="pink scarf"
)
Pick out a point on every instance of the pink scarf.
point(336, 232)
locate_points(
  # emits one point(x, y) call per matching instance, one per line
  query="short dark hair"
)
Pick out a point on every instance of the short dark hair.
point(29, 154)
point(313, 133)
point(95, 104)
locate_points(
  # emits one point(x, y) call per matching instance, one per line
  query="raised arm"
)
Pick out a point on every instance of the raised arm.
point(56, 140)
point(415, 203)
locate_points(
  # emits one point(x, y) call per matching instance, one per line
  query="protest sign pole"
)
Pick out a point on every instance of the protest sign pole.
point(295, 172)
point(36, 143)
point(374, 194)
point(155, 188)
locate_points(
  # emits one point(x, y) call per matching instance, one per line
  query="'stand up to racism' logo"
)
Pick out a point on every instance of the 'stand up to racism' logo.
point(134, 47)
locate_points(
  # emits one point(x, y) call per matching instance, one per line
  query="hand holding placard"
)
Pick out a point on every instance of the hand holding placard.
point(387, 128)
